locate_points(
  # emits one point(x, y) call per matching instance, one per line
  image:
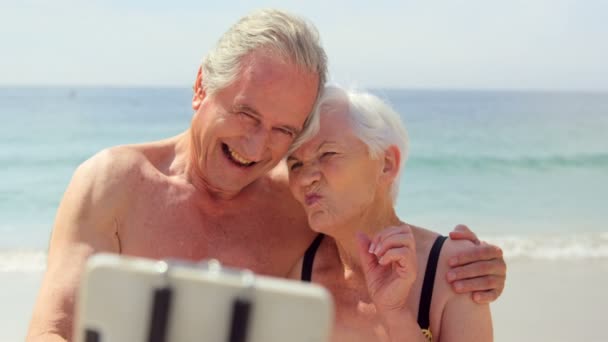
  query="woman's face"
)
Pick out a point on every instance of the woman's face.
point(332, 175)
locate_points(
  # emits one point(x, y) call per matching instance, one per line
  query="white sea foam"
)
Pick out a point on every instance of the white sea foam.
point(22, 261)
point(537, 247)
point(554, 246)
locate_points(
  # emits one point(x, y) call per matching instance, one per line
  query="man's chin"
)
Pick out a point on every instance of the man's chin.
point(235, 185)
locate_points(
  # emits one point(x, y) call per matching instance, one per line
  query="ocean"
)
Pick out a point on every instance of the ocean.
point(526, 170)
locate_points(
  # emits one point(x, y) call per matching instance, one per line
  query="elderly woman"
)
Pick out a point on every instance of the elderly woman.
point(380, 270)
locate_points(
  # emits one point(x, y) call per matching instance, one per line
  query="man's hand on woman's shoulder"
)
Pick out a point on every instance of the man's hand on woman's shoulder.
point(480, 269)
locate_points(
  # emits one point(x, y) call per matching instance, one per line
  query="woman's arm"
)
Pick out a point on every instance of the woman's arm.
point(464, 320)
point(461, 319)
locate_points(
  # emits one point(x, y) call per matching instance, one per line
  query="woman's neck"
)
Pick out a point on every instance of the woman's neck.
point(373, 220)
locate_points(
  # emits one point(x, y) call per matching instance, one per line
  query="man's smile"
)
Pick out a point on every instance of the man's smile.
point(236, 158)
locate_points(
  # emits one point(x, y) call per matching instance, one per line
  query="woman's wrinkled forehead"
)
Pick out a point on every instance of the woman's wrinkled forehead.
point(335, 129)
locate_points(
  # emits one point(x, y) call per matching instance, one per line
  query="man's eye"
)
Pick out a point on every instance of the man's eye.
point(246, 115)
point(295, 166)
point(286, 132)
point(327, 154)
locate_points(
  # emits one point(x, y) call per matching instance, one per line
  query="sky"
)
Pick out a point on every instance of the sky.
point(472, 44)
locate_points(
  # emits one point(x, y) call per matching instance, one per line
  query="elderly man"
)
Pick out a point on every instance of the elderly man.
point(218, 190)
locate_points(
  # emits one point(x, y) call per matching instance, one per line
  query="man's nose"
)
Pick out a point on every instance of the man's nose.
point(257, 142)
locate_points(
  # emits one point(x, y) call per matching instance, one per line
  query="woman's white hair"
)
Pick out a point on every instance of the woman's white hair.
point(373, 121)
point(290, 37)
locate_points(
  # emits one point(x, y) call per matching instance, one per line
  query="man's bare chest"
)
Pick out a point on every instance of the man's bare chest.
point(262, 239)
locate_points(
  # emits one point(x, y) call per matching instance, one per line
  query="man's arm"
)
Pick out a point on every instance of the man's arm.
point(86, 223)
point(480, 269)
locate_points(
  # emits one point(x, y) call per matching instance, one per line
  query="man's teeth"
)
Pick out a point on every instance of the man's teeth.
point(239, 158)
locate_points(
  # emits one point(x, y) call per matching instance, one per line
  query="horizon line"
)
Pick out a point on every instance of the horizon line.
point(404, 88)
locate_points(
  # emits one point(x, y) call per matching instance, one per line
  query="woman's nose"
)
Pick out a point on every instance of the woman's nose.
point(309, 174)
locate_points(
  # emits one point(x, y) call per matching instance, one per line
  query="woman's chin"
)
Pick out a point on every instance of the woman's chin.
point(322, 223)
point(318, 223)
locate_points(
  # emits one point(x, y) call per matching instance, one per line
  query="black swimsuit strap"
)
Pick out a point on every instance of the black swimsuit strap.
point(426, 294)
point(309, 258)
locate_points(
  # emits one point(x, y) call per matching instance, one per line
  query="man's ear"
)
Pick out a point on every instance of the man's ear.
point(199, 92)
point(391, 163)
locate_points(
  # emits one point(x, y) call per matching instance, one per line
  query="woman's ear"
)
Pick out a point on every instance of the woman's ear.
point(199, 92)
point(391, 163)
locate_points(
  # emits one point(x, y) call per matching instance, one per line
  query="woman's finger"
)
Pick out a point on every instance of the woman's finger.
point(368, 260)
point(403, 256)
point(395, 241)
point(386, 233)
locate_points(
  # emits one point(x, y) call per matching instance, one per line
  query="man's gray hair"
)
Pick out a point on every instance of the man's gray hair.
point(290, 37)
point(373, 121)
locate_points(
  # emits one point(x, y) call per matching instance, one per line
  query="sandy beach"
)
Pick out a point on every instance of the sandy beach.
point(558, 301)
point(19, 290)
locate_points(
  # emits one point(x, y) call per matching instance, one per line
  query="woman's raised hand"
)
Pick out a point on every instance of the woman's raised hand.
point(390, 267)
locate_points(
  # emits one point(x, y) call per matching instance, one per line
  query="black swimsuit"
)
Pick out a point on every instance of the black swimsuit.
point(427, 286)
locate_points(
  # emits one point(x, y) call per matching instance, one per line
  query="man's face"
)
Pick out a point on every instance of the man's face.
point(245, 129)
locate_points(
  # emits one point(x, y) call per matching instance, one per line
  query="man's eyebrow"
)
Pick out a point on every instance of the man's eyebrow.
point(291, 158)
point(246, 108)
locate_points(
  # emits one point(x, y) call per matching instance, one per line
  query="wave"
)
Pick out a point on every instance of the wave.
point(587, 161)
point(22, 261)
point(553, 247)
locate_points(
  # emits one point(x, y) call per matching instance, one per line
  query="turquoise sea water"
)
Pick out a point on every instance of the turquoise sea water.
point(526, 169)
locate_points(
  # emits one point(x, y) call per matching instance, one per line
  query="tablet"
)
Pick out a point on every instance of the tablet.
point(134, 299)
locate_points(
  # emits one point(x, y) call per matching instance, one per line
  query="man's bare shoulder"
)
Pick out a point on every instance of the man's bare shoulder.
point(113, 174)
point(113, 166)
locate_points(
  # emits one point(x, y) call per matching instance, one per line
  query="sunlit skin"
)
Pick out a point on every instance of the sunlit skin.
point(185, 197)
point(372, 262)
point(217, 190)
